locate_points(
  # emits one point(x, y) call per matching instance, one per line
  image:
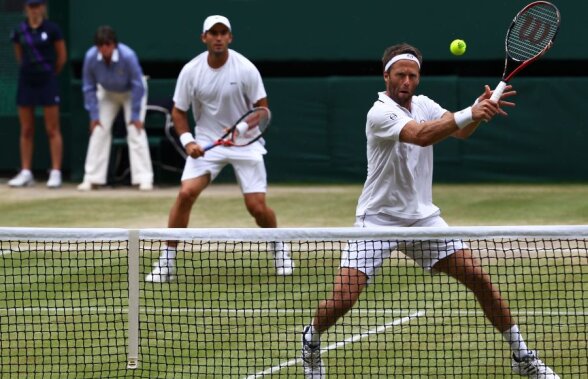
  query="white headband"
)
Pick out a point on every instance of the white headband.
point(396, 58)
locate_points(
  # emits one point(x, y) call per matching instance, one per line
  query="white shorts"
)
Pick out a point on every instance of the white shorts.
point(368, 256)
point(250, 174)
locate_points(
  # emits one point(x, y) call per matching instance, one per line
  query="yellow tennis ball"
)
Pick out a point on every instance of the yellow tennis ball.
point(457, 47)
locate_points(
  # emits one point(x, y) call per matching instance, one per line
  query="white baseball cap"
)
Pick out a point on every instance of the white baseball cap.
point(213, 20)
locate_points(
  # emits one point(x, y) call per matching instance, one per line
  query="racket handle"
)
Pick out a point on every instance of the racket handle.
point(209, 146)
point(498, 91)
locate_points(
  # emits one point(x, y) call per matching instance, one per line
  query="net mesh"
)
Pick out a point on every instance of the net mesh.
point(64, 305)
point(533, 31)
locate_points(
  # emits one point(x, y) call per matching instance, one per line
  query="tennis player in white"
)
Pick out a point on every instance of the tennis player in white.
point(220, 85)
point(401, 128)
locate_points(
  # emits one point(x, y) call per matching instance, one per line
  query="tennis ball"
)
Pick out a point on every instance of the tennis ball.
point(457, 47)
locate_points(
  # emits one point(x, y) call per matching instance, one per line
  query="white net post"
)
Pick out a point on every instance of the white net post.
point(133, 315)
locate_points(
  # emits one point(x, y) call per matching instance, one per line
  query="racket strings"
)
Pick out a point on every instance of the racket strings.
point(532, 32)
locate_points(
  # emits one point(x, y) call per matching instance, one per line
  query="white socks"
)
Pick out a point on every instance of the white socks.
point(167, 257)
point(513, 337)
point(312, 336)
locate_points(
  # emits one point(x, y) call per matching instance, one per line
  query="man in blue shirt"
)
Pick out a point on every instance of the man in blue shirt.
point(113, 78)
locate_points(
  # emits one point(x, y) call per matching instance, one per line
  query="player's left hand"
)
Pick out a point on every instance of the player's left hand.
point(508, 92)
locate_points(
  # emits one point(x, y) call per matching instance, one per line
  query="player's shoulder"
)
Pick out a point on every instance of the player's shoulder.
point(195, 62)
point(241, 59)
point(422, 99)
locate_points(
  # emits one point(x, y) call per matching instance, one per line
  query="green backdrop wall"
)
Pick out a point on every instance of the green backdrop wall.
point(318, 128)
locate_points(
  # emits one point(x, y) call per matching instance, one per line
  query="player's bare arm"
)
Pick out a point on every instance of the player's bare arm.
point(180, 119)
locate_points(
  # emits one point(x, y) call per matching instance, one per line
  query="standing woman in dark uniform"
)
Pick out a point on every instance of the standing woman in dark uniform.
point(40, 51)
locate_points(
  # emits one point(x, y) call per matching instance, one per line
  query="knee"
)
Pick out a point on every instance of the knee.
point(27, 132)
point(187, 197)
point(344, 300)
point(257, 209)
point(53, 133)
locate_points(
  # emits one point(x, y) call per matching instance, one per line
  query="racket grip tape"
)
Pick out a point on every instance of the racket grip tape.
point(498, 91)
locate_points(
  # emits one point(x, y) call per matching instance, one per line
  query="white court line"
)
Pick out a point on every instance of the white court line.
point(351, 339)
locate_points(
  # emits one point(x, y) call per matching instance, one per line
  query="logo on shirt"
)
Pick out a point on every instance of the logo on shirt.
point(393, 116)
point(44, 36)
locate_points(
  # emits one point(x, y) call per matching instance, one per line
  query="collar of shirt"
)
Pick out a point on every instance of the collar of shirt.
point(115, 56)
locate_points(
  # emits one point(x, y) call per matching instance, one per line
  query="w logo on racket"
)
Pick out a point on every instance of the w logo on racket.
point(531, 29)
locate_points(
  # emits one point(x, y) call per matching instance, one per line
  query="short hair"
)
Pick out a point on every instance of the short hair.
point(105, 35)
point(401, 48)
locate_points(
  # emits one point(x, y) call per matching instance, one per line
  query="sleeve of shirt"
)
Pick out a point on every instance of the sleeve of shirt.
point(433, 109)
point(137, 87)
point(56, 33)
point(183, 90)
point(255, 88)
point(89, 87)
point(386, 122)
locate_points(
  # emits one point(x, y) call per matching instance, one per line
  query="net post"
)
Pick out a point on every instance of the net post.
point(133, 314)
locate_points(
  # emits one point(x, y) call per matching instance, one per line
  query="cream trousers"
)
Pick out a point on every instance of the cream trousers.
point(97, 157)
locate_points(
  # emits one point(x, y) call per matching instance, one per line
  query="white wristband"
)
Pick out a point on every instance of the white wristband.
point(464, 117)
point(242, 127)
point(187, 138)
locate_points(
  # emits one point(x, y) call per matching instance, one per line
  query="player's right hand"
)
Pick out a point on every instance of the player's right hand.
point(194, 150)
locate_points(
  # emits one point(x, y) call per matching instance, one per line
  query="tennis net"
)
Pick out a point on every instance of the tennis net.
point(74, 303)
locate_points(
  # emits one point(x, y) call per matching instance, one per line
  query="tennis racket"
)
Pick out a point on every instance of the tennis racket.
point(246, 130)
point(529, 36)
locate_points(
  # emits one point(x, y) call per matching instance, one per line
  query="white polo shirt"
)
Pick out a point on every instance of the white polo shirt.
point(219, 97)
point(400, 175)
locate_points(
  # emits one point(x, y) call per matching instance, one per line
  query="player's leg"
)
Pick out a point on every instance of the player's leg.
point(252, 178)
point(98, 153)
point(197, 175)
point(52, 126)
point(465, 268)
point(26, 116)
point(190, 189)
point(349, 283)
point(179, 217)
point(360, 261)
point(257, 207)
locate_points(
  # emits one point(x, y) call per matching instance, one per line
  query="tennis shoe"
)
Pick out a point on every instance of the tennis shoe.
point(311, 359)
point(283, 262)
point(161, 274)
point(85, 186)
point(54, 179)
point(145, 186)
point(23, 179)
point(532, 367)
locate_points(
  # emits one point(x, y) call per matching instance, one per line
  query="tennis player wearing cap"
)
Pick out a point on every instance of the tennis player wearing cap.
point(219, 85)
point(401, 128)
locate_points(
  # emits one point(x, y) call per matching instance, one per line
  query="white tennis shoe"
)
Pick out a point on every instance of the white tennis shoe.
point(283, 262)
point(54, 179)
point(161, 274)
point(85, 186)
point(532, 367)
point(311, 359)
point(23, 179)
